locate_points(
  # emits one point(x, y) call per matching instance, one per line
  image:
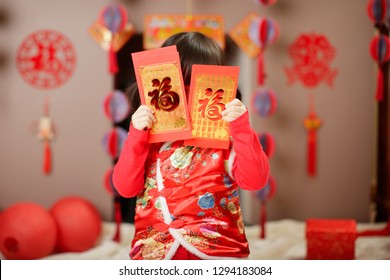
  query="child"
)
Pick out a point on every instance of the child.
point(188, 200)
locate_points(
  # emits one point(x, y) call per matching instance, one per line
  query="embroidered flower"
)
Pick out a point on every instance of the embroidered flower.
point(181, 158)
point(226, 180)
point(206, 201)
point(232, 208)
point(222, 202)
point(153, 250)
point(209, 231)
point(201, 214)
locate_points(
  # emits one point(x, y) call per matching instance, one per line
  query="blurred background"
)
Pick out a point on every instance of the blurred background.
point(352, 166)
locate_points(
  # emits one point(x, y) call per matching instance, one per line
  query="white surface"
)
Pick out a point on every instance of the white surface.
point(285, 239)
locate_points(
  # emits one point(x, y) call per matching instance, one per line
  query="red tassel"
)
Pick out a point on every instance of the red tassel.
point(260, 70)
point(263, 218)
point(113, 64)
point(379, 86)
point(118, 220)
point(312, 152)
point(47, 158)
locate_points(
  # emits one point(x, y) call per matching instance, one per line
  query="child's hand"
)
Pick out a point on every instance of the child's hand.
point(233, 110)
point(143, 118)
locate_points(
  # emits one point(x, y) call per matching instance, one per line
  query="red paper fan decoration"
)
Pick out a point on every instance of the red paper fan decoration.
point(114, 18)
point(268, 143)
point(380, 51)
point(264, 102)
point(114, 140)
point(116, 106)
point(377, 10)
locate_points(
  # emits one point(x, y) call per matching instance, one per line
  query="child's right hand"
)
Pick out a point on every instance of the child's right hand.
point(143, 118)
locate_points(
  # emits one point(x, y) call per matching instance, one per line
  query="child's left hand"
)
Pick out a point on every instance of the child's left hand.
point(233, 110)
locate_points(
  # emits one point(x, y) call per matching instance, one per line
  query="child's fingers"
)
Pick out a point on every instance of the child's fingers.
point(143, 118)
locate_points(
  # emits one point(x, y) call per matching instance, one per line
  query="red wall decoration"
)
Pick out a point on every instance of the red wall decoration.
point(46, 59)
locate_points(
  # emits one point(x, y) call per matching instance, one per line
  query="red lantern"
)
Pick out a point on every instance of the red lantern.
point(27, 231)
point(78, 222)
point(377, 10)
point(380, 51)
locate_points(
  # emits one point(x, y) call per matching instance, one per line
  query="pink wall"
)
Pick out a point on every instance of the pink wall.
point(346, 141)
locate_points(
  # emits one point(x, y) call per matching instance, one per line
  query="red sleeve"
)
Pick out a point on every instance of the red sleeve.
point(128, 175)
point(250, 166)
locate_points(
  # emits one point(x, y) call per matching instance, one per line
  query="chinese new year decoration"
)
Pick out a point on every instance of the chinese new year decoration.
point(46, 59)
point(311, 55)
point(380, 52)
point(46, 133)
point(312, 123)
point(377, 11)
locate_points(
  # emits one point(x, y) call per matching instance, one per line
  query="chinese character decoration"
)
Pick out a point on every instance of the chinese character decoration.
point(163, 98)
point(312, 123)
point(264, 195)
point(161, 87)
point(46, 133)
point(212, 86)
point(46, 59)
point(211, 106)
point(311, 55)
point(380, 52)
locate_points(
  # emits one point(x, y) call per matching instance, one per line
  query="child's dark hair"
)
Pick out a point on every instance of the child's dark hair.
point(193, 48)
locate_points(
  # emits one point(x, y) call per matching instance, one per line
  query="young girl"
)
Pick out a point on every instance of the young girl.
point(187, 197)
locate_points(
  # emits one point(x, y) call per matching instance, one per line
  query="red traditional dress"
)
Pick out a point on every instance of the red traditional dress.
point(188, 196)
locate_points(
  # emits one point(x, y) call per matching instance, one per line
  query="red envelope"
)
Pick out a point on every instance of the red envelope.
point(161, 87)
point(211, 88)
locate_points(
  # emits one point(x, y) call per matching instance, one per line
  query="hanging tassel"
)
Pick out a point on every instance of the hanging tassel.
point(118, 220)
point(113, 64)
point(263, 219)
point(379, 86)
point(312, 152)
point(47, 158)
point(260, 69)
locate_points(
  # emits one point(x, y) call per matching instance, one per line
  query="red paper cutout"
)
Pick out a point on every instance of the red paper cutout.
point(46, 59)
point(311, 55)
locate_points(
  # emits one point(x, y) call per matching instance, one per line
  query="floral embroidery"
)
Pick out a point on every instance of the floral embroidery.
point(181, 158)
point(206, 201)
point(153, 250)
point(209, 231)
point(226, 180)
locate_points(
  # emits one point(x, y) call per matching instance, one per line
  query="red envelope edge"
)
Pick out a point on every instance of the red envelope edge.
point(213, 72)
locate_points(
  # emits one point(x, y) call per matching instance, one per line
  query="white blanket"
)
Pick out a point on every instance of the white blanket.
point(285, 239)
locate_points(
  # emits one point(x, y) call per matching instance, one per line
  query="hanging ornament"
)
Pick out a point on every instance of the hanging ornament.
point(114, 140)
point(264, 102)
point(268, 143)
point(377, 11)
point(264, 195)
point(380, 51)
point(264, 32)
point(45, 132)
point(265, 2)
point(114, 18)
point(311, 55)
point(312, 123)
point(116, 106)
